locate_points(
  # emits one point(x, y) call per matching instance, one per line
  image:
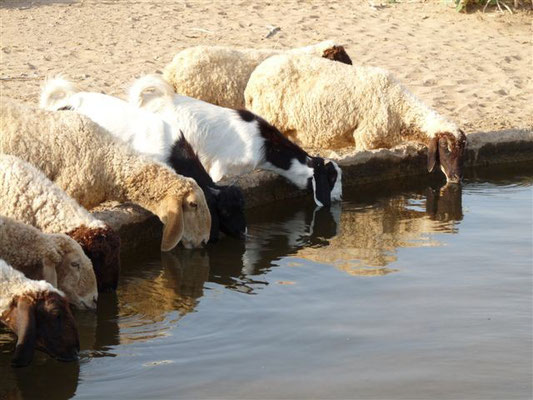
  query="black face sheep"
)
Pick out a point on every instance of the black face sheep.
point(56, 258)
point(84, 160)
point(28, 196)
point(233, 142)
point(39, 315)
point(329, 105)
point(149, 134)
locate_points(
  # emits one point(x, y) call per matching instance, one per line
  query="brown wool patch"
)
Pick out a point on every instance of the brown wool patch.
point(337, 53)
point(102, 246)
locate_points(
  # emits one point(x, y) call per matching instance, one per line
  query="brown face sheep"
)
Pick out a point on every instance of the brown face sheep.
point(28, 196)
point(56, 258)
point(84, 160)
point(39, 315)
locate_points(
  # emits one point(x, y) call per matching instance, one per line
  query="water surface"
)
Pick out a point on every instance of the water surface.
point(406, 291)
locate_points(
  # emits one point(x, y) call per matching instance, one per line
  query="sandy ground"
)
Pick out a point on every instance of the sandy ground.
point(475, 68)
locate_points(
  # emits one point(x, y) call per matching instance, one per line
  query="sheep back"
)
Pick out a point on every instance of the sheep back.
point(319, 104)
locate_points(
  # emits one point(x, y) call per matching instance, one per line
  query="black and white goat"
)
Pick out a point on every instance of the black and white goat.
point(233, 142)
point(226, 203)
point(149, 134)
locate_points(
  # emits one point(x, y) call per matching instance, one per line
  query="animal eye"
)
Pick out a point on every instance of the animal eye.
point(75, 264)
point(192, 204)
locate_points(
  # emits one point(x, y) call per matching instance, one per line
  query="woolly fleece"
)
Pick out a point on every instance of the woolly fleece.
point(219, 74)
point(27, 195)
point(330, 105)
point(14, 283)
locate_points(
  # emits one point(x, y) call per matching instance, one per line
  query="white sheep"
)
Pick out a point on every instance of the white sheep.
point(84, 160)
point(28, 196)
point(218, 74)
point(149, 134)
point(235, 142)
point(56, 258)
point(39, 315)
point(328, 105)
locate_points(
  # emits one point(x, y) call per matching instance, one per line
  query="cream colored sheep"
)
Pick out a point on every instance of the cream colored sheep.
point(326, 105)
point(56, 258)
point(218, 74)
point(39, 315)
point(28, 196)
point(86, 162)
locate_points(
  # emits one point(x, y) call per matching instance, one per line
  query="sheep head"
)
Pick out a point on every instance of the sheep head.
point(337, 53)
point(42, 321)
point(186, 219)
point(447, 151)
point(75, 274)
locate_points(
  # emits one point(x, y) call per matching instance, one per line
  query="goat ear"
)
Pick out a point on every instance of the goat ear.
point(172, 218)
point(26, 333)
point(433, 149)
point(49, 272)
point(321, 189)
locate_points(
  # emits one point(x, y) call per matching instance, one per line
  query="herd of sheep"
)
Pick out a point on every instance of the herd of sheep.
point(165, 149)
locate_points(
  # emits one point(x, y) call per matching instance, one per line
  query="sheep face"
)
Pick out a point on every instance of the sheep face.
point(337, 53)
point(197, 219)
point(75, 275)
point(447, 151)
point(43, 321)
point(186, 219)
point(230, 211)
point(102, 246)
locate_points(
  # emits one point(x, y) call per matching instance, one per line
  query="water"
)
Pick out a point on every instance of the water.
point(405, 291)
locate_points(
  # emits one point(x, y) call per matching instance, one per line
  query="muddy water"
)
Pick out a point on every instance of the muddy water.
point(404, 291)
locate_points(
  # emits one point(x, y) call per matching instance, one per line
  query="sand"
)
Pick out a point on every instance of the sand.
point(475, 68)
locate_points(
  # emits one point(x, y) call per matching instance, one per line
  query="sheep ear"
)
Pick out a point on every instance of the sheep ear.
point(432, 153)
point(26, 333)
point(172, 218)
point(49, 272)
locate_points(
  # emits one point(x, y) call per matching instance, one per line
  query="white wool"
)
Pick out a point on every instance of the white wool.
point(138, 127)
point(329, 105)
point(27, 195)
point(14, 283)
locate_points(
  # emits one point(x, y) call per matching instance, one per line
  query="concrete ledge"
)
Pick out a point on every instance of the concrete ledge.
point(137, 227)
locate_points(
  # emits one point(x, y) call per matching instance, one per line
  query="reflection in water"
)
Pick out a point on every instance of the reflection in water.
point(157, 291)
point(369, 236)
point(44, 378)
point(154, 299)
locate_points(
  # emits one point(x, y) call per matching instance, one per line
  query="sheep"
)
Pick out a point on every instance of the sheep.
point(234, 142)
point(149, 134)
point(85, 161)
point(329, 105)
point(28, 196)
point(219, 74)
point(55, 258)
point(39, 315)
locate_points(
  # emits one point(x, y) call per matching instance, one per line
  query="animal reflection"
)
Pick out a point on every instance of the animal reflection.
point(152, 300)
point(39, 380)
point(368, 236)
